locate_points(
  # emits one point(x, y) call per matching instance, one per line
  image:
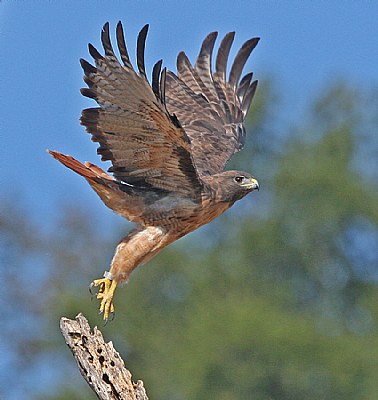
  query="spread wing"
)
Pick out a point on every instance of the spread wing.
point(145, 144)
point(210, 108)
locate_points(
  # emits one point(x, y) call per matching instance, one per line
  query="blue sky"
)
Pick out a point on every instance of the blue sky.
point(303, 46)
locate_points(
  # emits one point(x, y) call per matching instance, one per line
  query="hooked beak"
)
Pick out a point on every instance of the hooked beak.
point(252, 184)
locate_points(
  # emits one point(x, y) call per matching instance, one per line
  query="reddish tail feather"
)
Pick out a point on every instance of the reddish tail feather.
point(87, 170)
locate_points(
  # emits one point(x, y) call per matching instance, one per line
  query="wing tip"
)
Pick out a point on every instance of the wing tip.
point(211, 36)
point(105, 40)
point(94, 52)
point(240, 61)
point(141, 45)
point(119, 29)
point(106, 26)
point(207, 47)
point(223, 54)
point(87, 67)
point(87, 92)
point(156, 74)
point(248, 97)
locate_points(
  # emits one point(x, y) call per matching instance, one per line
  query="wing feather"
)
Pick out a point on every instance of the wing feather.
point(141, 44)
point(156, 80)
point(244, 85)
point(145, 144)
point(121, 43)
point(240, 60)
point(105, 39)
point(204, 69)
point(222, 56)
point(186, 72)
point(247, 99)
point(210, 108)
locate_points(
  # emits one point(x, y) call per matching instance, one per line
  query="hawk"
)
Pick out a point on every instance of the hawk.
point(168, 143)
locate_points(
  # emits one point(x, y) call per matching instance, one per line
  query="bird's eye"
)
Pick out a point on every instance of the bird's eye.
point(239, 179)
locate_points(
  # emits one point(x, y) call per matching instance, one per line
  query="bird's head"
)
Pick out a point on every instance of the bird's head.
point(231, 186)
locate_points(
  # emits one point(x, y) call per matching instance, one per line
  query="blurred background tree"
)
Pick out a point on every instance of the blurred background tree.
point(274, 300)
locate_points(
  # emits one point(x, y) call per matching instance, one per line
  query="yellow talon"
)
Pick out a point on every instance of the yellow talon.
point(106, 291)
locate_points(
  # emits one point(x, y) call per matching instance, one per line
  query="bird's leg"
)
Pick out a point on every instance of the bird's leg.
point(137, 247)
point(107, 287)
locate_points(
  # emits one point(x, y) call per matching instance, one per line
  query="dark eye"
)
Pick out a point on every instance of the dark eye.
point(239, 179)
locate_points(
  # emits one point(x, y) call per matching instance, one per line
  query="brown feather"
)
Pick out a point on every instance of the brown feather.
point(130, 113)
point(222, 57)
point(240, 60)
point(210, 109)
point(122, 47)
point(141, 44)
point(168, 142)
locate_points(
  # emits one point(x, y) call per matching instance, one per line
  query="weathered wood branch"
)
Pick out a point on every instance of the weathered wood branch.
point(99, 363)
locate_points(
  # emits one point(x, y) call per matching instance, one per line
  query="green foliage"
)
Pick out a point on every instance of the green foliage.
point(274, 300)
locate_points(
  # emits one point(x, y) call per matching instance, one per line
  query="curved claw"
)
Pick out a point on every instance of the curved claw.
point(111, 317)
point(105, 294)
point(91, 291)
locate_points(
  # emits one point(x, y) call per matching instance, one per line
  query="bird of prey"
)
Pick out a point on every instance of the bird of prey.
point(168, 143)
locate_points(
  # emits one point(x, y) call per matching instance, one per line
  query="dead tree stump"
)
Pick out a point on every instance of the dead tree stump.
point(99, 363)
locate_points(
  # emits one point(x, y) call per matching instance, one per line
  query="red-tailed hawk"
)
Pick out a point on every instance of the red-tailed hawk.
point(168, 143)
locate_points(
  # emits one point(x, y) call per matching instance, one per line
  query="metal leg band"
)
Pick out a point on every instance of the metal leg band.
point(108, 275)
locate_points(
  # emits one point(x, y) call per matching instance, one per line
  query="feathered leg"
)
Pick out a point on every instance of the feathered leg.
point(136, 248)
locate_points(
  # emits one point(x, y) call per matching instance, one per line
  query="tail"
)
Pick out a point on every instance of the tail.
point(89, 171)
point(123, 202)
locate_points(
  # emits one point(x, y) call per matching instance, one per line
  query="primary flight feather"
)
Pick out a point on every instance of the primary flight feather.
point(168, 143)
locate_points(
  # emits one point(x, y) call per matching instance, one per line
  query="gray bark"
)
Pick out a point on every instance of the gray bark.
point(99, 363)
